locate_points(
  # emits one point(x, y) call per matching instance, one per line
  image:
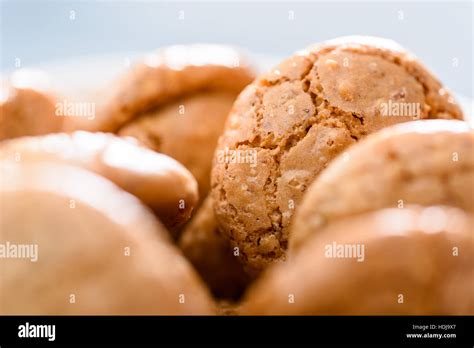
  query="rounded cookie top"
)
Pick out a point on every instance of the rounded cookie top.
point(163, 76)
point(27, 106)
point(291, 122)
point(387, 262)
point(423, 162)
point(103, 251)
point(157, 180)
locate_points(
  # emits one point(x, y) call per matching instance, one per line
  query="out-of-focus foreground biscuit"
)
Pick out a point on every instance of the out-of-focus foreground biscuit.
point(157, 180)
point(411, 261)
point(423, 162)
point(87, 247)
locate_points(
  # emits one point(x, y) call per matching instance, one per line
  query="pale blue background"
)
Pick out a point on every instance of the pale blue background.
point(40, 31)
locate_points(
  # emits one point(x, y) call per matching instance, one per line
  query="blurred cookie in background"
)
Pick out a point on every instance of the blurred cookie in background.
point(175, 101)
point(422, 162)
point(411, 261)
point(212, 256)
point(159, 181)
point(187, 130)
point(87, 247)
point(27, 105)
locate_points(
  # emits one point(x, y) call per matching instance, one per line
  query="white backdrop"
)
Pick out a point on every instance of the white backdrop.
point(34, 32)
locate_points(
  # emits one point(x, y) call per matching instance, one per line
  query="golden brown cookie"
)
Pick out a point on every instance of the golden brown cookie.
point(389, 262)
point(291, 122)
point(422, 162)
point(176, 102)
point(187, 130)
point(165, 75)
point(27, 107)
point(84, 246)
point(211, 254)
point(157, 180)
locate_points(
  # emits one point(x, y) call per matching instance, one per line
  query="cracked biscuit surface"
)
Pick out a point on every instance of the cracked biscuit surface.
point(296, 118)
point(422, 162)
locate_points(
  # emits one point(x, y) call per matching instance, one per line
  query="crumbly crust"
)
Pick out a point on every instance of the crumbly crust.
point(296, 119)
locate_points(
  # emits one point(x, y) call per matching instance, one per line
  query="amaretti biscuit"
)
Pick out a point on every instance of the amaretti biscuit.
point(157, 180)
point(411, 261)
point(291, 122)
point(176, 102)
point(27, 106)
point(211, 254)
point(74, 243)
point(190, 135)
point(422, 162)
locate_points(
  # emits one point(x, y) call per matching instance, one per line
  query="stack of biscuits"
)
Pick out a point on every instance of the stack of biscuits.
point(340, 182)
